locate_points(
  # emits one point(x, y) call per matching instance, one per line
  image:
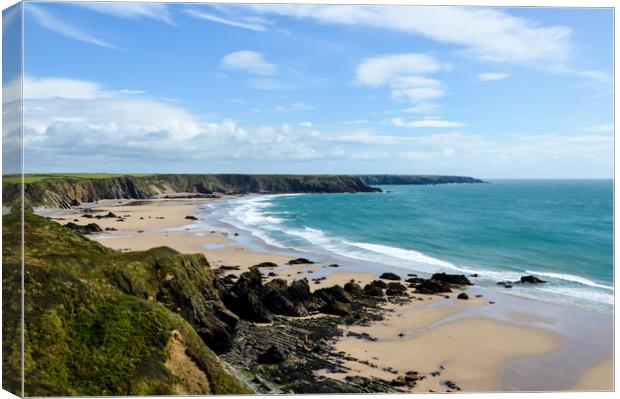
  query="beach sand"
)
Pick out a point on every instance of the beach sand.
point(414, 336)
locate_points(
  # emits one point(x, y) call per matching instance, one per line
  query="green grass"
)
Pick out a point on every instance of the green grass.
point(33, 178)
point(92, 323)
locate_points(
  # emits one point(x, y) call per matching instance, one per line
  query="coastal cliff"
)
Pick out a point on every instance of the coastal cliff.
point(417, 179)
point(61, 191)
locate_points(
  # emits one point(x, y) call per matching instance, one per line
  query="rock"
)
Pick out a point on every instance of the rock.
point(398, 381)
point(415, 280)
point(373, 289)
point(266, 264)
point(432, 287)
point(396, 289)
point(462, 295)
point(379, 283)
point(531, 280)
point(87, 216)
point(451, 385)
point(300, 261)
point(455, 279)
point(336, 300)
point(390, 276)
point(334, 265)
point(474, 275)
point(271, 356)
point(110, 229)
point(84, 229)
point(271, 274)
point(190, 217)
point(353, 289)
point(244, 298)
point(505, 284)
point(74, 202)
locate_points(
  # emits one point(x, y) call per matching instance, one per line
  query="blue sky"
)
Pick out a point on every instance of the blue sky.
point(502, 92)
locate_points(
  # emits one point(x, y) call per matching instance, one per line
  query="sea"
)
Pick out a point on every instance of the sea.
point(558, 230)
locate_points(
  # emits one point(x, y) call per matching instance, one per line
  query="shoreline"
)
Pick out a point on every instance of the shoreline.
point(430, 322)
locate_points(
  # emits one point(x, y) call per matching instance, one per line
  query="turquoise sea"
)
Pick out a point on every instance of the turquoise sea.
point(559, 230)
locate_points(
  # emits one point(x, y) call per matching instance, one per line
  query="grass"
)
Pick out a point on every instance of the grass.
point(33, 178)
point(92, 323)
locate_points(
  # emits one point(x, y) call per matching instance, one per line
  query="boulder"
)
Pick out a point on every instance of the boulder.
point(190, 217)
point(372, 289)
point(90, 228)
point(396, 289)
point(266, 264)
point(379, 283)
point(531, 280)
point(273, 355)
point(463, 295)
point(454, 279)
point(390, 276)
point(505, 284)
point(300, 261)
point(353, 289)
point(432, 287)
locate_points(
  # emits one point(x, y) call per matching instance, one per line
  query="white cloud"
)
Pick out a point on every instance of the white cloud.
point(401, 72)
point(53, 24)
point(293, 107)
point(421, 108)
point(488, 34)
point(386, 69)
point(428, 123)
point(249, 61)
point(485, 76)
point(307, 124)
point(128, 10)
point(251, 23)
point(37, 88)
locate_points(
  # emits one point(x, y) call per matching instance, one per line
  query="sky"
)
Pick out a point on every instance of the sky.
point(198, 88)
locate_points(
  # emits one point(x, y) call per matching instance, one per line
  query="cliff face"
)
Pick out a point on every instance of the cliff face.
point(60, 192)
point(99, 322)
point(416, 179)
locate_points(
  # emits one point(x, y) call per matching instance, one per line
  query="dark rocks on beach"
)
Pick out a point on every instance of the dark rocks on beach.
point(271, 274)
point(474, 275)
point(375, 289)
point(87, 216)
point(531, 280)
point(505, 284)
point(390, 276)
point(84, 229)
point(432, 287)
point(266, 264)
point(396, 289)
point(190, 217)
point(271, 356)
point(334, 265)
point(300, 261)
point(353, 289)
point(462, 295)
point(336, 300)
point(454, 279)
point(224, 267)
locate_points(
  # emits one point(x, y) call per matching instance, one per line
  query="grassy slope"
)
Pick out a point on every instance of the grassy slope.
point(92, 325)
point(33, 178)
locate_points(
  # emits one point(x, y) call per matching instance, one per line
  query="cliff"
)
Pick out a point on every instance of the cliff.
point(61, 191)
point(50, 191)
point(99, 322)
point(416, 179)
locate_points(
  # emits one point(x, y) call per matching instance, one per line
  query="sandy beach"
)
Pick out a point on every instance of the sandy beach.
point(426, 335)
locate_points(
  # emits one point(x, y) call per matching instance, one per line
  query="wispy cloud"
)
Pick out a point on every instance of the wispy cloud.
point(256, 24)
point(53, 24)
point(486, 76)
point(249, 61)
point(428, 123)
point(402, 73)
point(156, 11)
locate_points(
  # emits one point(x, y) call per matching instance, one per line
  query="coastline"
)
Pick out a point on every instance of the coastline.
point(447, 335)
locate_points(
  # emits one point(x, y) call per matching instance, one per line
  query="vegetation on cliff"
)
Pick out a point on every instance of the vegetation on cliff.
point(99, 322)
